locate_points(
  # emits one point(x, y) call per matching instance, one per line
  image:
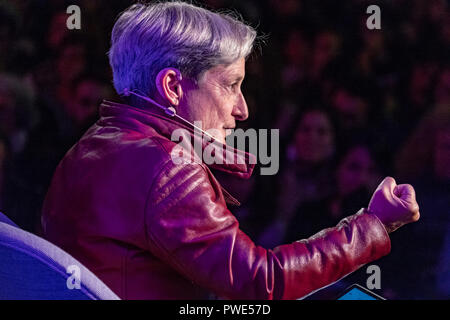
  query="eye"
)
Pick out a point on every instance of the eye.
point(233, 85)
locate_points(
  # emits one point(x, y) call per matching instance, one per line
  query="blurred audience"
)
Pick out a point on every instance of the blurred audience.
point(17, 114)
point(424, 161)
point(387, 102)
point(355, 178)
point(306, 174)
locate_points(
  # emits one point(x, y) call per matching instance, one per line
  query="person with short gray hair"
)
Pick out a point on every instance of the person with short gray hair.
point(149, 38)
point(154, 228)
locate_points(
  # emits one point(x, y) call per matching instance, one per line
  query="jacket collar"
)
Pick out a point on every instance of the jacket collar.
point(147, 121)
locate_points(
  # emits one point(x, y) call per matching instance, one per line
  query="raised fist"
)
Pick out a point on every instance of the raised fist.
point(395, 205)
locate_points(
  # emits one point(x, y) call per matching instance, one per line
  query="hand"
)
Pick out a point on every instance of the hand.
point(395, 205)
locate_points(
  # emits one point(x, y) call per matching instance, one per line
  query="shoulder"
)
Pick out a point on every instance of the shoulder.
point(180, 177)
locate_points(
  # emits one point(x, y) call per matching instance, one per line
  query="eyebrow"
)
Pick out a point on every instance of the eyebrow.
point(233, 77)
point(237, 78)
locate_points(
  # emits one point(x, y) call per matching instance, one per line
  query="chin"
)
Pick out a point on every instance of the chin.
point(221, 139)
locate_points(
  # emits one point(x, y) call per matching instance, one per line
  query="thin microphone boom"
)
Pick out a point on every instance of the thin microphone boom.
point(168, 110)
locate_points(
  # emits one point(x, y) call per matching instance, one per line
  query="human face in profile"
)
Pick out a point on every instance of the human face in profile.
point(216, 99)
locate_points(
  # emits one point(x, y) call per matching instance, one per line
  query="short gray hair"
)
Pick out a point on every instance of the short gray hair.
point(147, 38)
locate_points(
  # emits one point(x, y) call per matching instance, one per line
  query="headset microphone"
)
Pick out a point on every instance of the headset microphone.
point(168, 110)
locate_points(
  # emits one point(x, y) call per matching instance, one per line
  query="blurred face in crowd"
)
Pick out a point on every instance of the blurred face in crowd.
point(421, 80)
point(71, 62)
point(217, 99)
point(352, 109)
point(88, 96)
point(296, 48)
point(442, 154)
point(356, 170)
point(57, 30)
point(325, 48)
point(373, 39)
point(314, 138)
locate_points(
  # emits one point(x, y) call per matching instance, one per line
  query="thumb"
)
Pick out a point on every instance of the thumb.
point(388, 184)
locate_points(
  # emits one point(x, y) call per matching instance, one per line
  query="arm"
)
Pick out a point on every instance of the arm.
point(191, 229)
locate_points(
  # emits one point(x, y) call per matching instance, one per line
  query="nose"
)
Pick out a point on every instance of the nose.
point(240, 110)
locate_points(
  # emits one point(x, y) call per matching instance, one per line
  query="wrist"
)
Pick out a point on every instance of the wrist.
point(388, 228)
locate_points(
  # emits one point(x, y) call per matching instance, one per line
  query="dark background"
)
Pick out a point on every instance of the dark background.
point(352, 104)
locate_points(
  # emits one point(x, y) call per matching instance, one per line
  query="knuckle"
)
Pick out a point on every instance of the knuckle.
point(414, 207)
point(389, 179)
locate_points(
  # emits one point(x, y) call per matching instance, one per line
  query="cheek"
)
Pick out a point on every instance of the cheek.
point(192, 107)
point(300, 141)
point(219, 110)
point(324, 143)
point(204, 108)
point(226, 110)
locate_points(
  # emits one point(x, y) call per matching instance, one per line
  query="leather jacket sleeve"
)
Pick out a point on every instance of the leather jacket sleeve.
point(189, 226)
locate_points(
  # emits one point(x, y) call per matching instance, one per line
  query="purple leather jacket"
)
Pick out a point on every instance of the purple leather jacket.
point(153, 229)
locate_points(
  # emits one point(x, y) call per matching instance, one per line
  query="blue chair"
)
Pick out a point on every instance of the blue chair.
point(32, 268)
point(6, 220)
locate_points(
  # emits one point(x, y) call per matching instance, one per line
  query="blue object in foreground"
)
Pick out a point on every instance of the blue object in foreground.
point(31, 268)
point(357, 292)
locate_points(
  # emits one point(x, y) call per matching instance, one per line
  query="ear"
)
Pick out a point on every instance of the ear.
point(168, 83)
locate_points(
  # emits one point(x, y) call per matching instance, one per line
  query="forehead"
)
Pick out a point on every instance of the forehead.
point(233, 71)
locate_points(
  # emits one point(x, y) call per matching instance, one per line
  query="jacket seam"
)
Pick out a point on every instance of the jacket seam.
point(147, 201)
point(146, 230)
point(151, 238)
